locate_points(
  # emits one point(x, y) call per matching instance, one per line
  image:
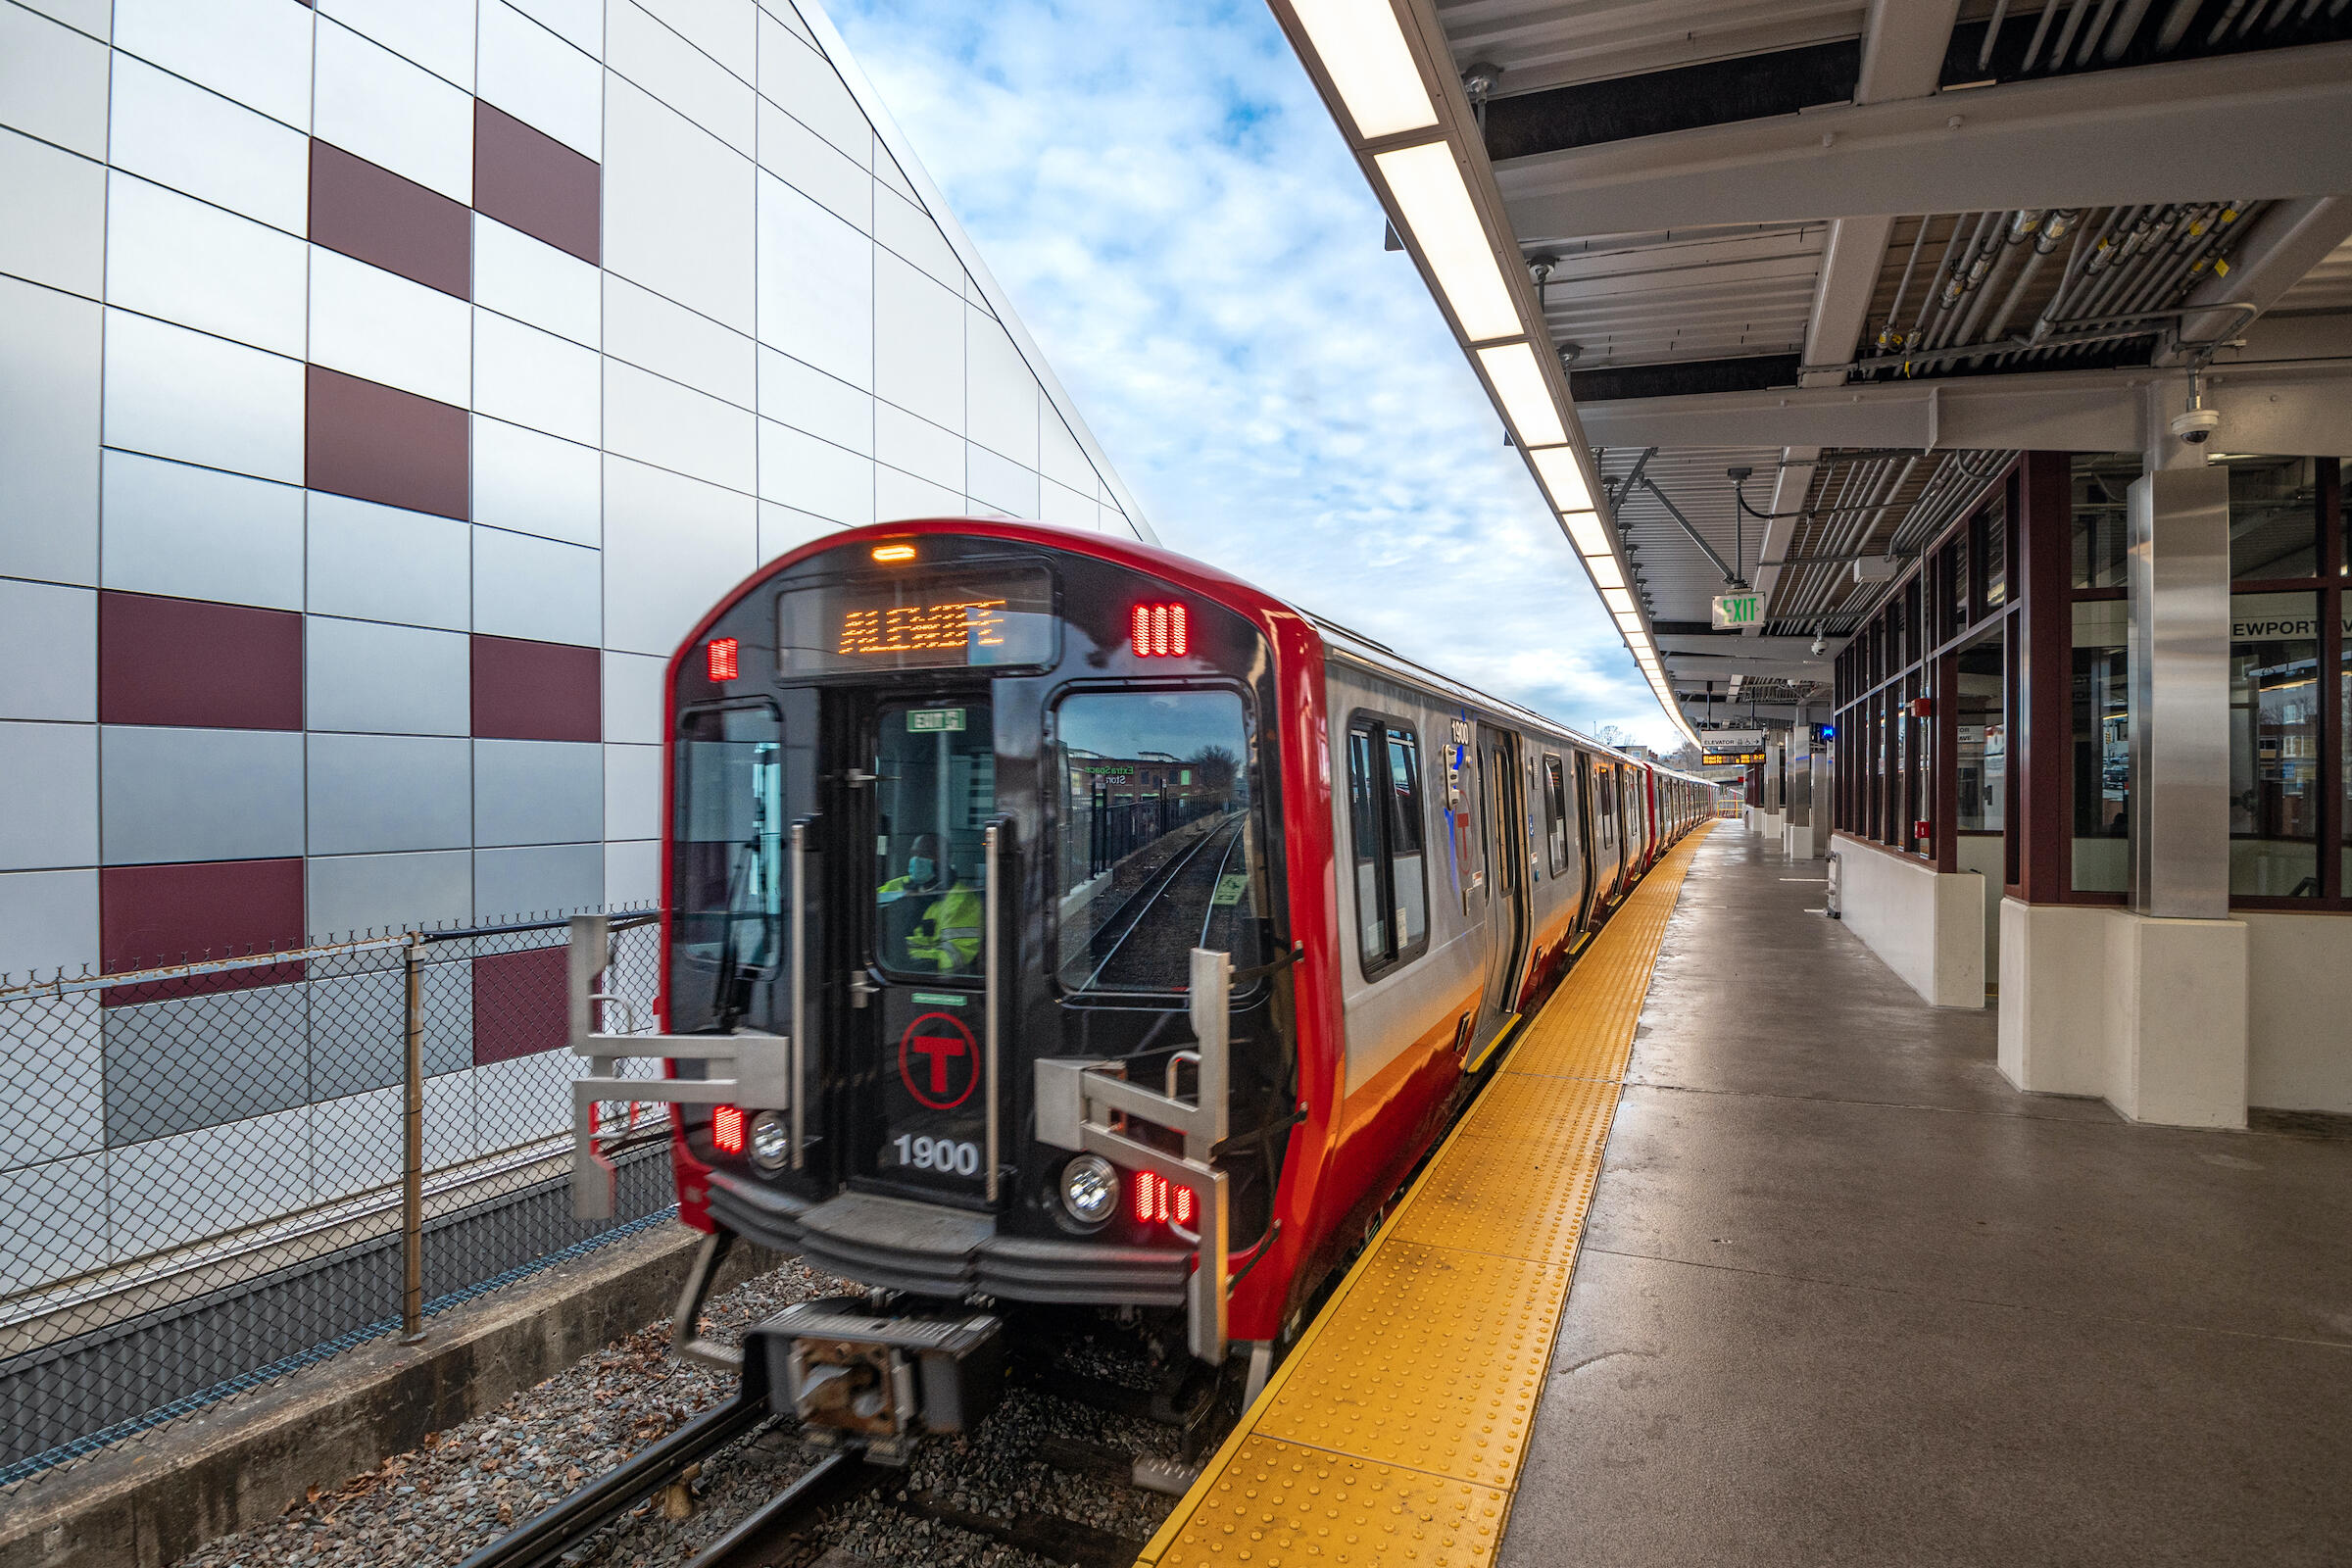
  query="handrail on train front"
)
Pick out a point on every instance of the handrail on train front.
point(764, 1068)
point(1079, 1103)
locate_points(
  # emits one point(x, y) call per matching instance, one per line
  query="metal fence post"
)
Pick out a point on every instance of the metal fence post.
point(412, 1158)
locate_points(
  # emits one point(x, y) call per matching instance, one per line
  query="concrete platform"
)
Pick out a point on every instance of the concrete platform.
point(1848, 1298)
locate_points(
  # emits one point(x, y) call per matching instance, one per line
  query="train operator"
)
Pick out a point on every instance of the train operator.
point(946, 936)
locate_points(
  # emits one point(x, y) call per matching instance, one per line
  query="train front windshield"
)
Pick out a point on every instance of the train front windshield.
point(1158, 853)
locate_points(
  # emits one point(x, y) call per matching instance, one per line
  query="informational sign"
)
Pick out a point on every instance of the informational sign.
point(1728, 759)
point(921, 621)
point(933, 720)
point(1731, 740)
point(939, 1060)
point(1733, 611)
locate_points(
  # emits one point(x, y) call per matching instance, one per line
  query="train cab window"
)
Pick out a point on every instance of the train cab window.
point(1390, 854)
point(728, 865)
point(1556, 814)
point(1157, 839)
point(935, 791)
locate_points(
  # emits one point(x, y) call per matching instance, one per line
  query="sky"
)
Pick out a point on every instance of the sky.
point(1184, 232)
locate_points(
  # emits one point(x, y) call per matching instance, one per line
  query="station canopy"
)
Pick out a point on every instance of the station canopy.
point(1865, 253)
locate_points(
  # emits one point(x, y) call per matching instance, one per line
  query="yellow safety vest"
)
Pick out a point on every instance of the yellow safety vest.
point(948, 936)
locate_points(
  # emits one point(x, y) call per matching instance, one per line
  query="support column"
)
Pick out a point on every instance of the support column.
point(2176, 1016)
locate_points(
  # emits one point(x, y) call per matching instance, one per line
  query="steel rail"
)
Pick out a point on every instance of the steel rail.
point(547, 1536)
point(1144, 898)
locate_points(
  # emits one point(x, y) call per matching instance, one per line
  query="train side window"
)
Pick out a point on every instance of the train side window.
point(1555, 813)
point(1389, 850)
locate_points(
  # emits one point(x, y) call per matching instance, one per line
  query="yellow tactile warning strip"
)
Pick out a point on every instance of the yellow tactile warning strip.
point(1394, 1432)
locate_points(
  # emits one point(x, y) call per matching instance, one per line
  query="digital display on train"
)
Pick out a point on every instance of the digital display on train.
point(954, 620)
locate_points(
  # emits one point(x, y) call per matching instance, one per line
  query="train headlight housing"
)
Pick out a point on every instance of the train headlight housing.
point(1090, 1189)
point(771, 1141)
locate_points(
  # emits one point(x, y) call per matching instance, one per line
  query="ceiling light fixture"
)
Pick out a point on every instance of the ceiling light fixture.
point(1436, 202)
point(1617, 599)
point(1364, 53)
point(1628, 622)
point(1563, 478)
point(1607, 573)
point(1587, 533)
point(1525, 396)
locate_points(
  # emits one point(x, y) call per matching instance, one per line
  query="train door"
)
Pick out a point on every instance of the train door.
point(1504, 815)
point(922, 797)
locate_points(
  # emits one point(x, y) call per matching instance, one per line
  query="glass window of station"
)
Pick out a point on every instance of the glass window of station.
point(1933, 713)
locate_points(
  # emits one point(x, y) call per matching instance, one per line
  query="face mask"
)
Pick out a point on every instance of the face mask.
point(918, 868)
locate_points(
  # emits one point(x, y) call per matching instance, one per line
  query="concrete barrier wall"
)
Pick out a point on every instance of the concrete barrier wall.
point(1928, 927)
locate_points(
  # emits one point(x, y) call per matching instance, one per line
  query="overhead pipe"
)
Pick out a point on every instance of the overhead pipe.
point(2065, 34)
point(1888, 337)
point(2023, 224)
point(2091, 34)
point(2228, 15)
point(1992, 33)
point(2176, 24)
point(2119, 38)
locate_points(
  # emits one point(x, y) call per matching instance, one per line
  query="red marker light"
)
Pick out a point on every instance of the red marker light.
point(726, 1129)
point(1160, 1200)
point(726, 661)
point(1160, 631)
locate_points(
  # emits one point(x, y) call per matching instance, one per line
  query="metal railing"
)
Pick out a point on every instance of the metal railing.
point(215, 1172)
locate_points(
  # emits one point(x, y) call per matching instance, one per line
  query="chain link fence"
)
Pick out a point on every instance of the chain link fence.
point(215, 1174)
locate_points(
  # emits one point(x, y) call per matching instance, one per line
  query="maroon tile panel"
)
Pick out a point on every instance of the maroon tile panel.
point(382, 444)
point(198, 664)
point(527, 179)
point(518, 1004)
point(525, 691)
point(153, 915)
point(377, 217)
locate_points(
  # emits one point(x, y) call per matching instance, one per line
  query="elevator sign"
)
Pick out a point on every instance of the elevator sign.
point(1733, 611)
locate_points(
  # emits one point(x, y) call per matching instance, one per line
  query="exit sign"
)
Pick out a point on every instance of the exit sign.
point(1737, 609)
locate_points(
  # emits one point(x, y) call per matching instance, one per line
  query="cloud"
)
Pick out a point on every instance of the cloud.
point(1187, 239)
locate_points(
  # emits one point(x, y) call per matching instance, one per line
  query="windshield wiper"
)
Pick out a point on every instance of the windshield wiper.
point(733, 997)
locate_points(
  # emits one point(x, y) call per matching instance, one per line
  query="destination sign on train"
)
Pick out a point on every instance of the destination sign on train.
point(938, 621)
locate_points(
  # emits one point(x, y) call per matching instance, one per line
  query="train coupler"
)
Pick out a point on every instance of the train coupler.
point(854, 1380)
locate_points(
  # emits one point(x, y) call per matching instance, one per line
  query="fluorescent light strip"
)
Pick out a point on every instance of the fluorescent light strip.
point(1586, 532)
point(1370, 65)
point(1628, 622)
point(1607, 573)
point(1619, 599)
point(1525, 396)
point(1436, 204)
point(1563, 476)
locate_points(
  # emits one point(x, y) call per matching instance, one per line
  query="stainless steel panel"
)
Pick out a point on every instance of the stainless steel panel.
point(377, 793)
point(579, 23)
point(635, 689)
point(540, 880)
point(383, 564)
point(382, 328)
point(174, 393)
point(185, 261)
point(437, 34)
point(49, 780)
point(542, 81)
point(49, 358)
point(394, 114)
point(48, 922)
point(177, 135)
point(816, 287)
point(672, 545)
point(800, 472)
point(352, 893)
point(370, 676)
point(658, 421)
point(257, 52)
point(2178, 576)
point(49, 647)
point(188, 532)
point(1000, 394)
point(632, 791)
point(918, 342)
point(908, 232)
point(658, 59)
point(540, 589)
point(919, 446)
point(528, 482)
point(537, 792)
point(815, 168)
point(808, 399)
point(199, 794)
point(197, 1061)
point(535, 378)
point(52, 83)
point(1000, 482)
point(803, 81)
point(56, 228)
point(531, 280)
point(679, 207)
point(670, 340)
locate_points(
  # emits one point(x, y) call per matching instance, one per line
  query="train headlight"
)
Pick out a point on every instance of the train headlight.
point(771, 1141)
point(1090, 1189)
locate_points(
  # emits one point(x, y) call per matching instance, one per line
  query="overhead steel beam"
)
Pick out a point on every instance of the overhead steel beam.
point(1789, 488)
point(2288, 242)
point(2280, 406)
point(2269, 122)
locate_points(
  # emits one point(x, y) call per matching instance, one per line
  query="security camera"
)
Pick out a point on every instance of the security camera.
point(2196, 427)
point(1819, 643)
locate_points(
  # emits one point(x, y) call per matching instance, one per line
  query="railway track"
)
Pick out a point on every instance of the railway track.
point(1151, 924)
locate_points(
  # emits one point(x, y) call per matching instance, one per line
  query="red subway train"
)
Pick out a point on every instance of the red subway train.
point(1049, 918)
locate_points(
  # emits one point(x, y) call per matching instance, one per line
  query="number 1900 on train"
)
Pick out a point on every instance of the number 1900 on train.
point(1053, 922)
